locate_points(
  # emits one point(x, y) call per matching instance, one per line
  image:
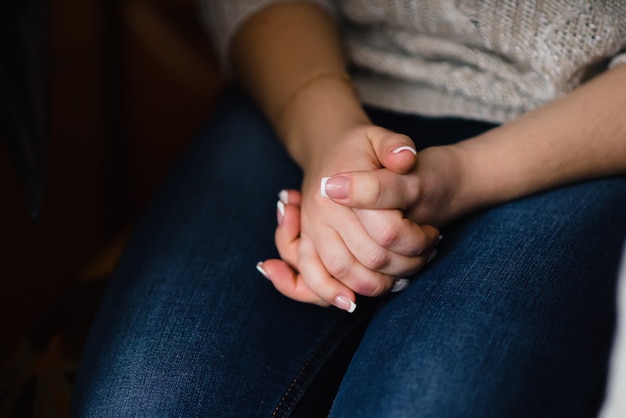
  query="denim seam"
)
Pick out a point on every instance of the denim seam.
point(314, 363)
point(295, 380)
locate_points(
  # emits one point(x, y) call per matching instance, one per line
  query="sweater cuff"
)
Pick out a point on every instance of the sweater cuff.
point(222, 18)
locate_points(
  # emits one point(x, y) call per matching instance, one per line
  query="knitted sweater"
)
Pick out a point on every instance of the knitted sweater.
point(480, 59)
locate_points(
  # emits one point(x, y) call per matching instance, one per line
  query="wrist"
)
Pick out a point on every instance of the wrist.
point(482, 183)
point(315, 119)
point(448, 185)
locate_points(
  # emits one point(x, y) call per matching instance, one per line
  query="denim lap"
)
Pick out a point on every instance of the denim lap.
point(188, 327)
point(515, 314)
point(513, 318)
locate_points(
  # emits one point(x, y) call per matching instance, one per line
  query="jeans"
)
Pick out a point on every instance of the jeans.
point(514, 318)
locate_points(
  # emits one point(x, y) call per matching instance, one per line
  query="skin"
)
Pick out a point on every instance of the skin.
point(377, 229)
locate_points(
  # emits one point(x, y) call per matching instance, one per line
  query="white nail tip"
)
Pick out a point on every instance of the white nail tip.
point(323, 187)
point(400, 285)
point(352, 307)
point(345, 303)
point(281, 207)
point(259, 267)
point(284, 196)
point(404, 148)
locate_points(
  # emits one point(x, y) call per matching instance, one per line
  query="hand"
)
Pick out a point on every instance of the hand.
point(287, 236)
point(434, 192)
point(364, 257)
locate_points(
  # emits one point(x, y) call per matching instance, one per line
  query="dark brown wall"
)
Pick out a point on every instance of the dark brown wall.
point(131, 83)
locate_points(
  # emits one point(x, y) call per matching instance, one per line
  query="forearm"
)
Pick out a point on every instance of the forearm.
point(278, 50)
point(576, 137)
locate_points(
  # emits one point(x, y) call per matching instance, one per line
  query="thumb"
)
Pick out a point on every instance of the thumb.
point(394, 151)
point(375, 189)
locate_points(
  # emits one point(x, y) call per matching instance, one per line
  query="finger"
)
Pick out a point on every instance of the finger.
point(286, 236)
point(376, 189)
point(319, 281)
point(292, 197)
point(391, 230)
point(394, 151)
point(287, 282)
point(341, 264)
point(351, 233)
point(347, 256)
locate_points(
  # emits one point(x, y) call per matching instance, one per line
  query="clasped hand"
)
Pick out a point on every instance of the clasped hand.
point(374, 224)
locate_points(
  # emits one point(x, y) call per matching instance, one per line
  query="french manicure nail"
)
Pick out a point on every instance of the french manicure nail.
point(283, 196)
point(432, 255)
point(337, 187)
point(280, 212)
point(399, 285)
point(343, 302)
point(259, 267)
point(404, 148)
point(438, 240)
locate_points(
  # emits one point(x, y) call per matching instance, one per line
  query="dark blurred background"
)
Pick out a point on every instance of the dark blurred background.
point(126, 84)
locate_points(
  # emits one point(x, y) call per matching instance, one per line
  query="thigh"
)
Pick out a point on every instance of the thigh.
point(188, 327)
point(514, 317)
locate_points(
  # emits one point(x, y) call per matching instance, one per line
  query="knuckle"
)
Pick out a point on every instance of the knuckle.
point(415, 251)
point(388, 236)
point(412, 189)
point(377, 260)
point(370, 287)
point(339, 269)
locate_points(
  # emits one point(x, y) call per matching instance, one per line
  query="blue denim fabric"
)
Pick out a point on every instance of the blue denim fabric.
point(513, 318)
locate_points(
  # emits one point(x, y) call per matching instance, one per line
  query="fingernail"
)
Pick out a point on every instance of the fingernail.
point(343, 302)
point(399, 285)
point(432, 255)
point(283, 196)
point(280, 212)
point(259, 267)
point(337, 187)
point(438, 240)
point(404, 148)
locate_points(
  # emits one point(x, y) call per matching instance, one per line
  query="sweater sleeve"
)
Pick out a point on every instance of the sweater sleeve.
point(618, 59)
point(223, 17)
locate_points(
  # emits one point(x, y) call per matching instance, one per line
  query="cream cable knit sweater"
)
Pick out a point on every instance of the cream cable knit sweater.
point(478, 59)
